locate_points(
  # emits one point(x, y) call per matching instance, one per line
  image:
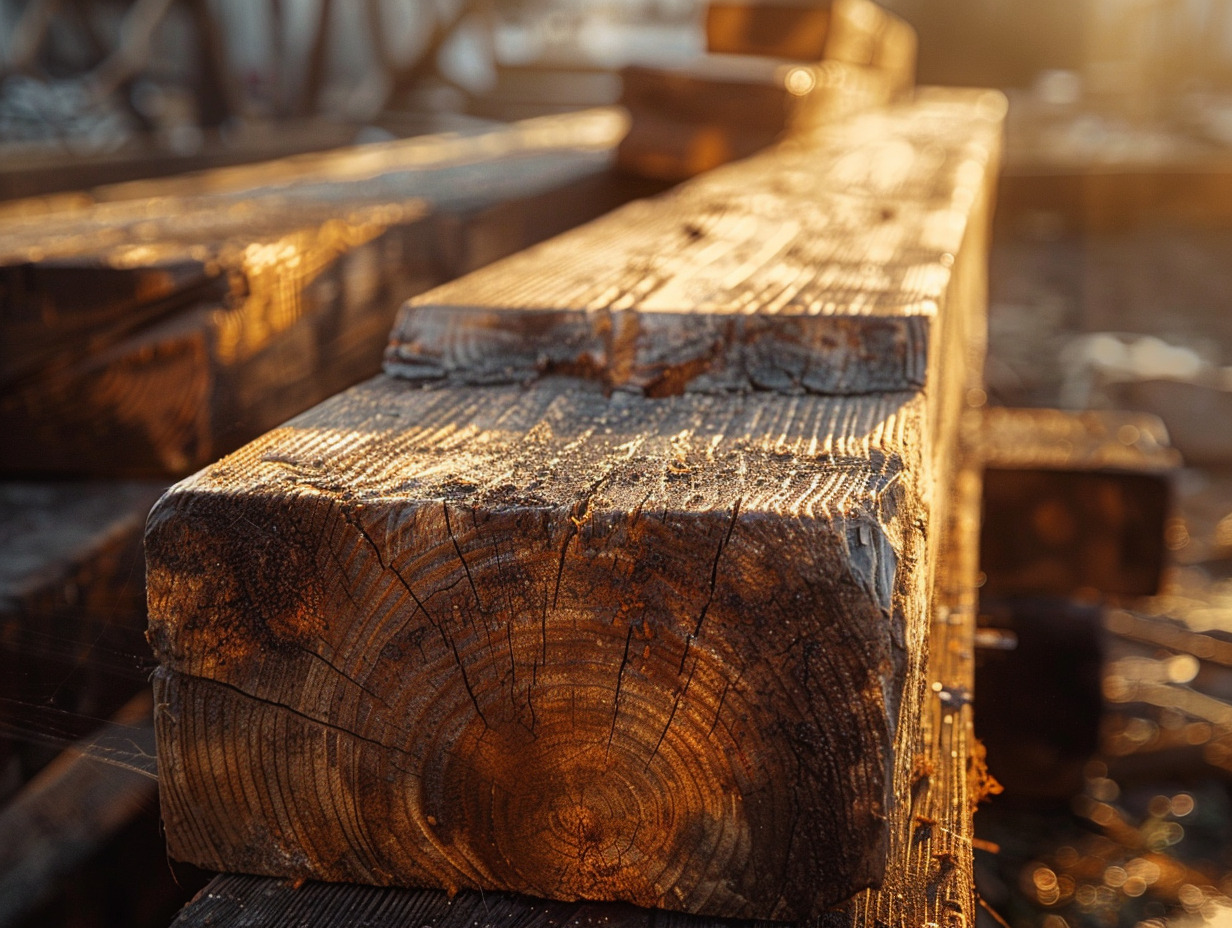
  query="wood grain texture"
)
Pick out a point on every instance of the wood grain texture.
point(233, 901)
point(241, 306)
point(928, 870)
point(843, 256)
point(306, 316)
point(602, 658)
point(44, 307)
point(577, 638)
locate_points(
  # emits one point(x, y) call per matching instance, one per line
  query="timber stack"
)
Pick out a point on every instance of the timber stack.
point(148, 327)
point(645, 573)
point(771, 68)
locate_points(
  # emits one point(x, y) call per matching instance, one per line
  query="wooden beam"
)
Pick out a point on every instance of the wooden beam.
point(625, 625)
point(222, 313)
point(929, 876)
point(776, 30)
point(716, 108)
point(720, 108)
point(855, 30)
point(72, 613)
point(697, 115)
point(659, 639)
point(863, 33)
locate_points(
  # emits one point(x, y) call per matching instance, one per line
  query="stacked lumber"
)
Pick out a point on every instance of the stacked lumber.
point(150, 329)
point(1075, 511)
point(72, 610)
point(72, 654)
point(644, 574)
point(771, 68)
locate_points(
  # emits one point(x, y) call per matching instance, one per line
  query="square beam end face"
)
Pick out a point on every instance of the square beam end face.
point(677, 687)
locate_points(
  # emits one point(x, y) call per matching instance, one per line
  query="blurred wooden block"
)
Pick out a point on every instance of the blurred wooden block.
point(47, 305)
point(671, 151)
point(774, 29)
point(1075, 504)
point(740, 91)
point(1195, 414)
point(1040, 701)
point(72, 610)
point(694, 116)
point(855, 30)
point(70, 809)
point(834, 90)
point(568, 610)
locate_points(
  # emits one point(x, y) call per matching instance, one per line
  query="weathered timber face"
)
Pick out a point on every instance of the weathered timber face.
point(658, 633)
point(648, 690)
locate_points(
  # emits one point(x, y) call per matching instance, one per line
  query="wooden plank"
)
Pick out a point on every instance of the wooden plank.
point(311, 268)
point(1014, 438)
point(776, 30)
point(693, 116)
point(307, 318)
point(670, 151)
point(715, 109)
point(40, 171)
point(627, 643)
point(72, 611)
point(44, 306)
point(714, 290)
point(863, 33)
point(929, 868)
point(459, 142)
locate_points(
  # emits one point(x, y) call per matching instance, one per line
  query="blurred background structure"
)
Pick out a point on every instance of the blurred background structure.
point(1110, 288)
